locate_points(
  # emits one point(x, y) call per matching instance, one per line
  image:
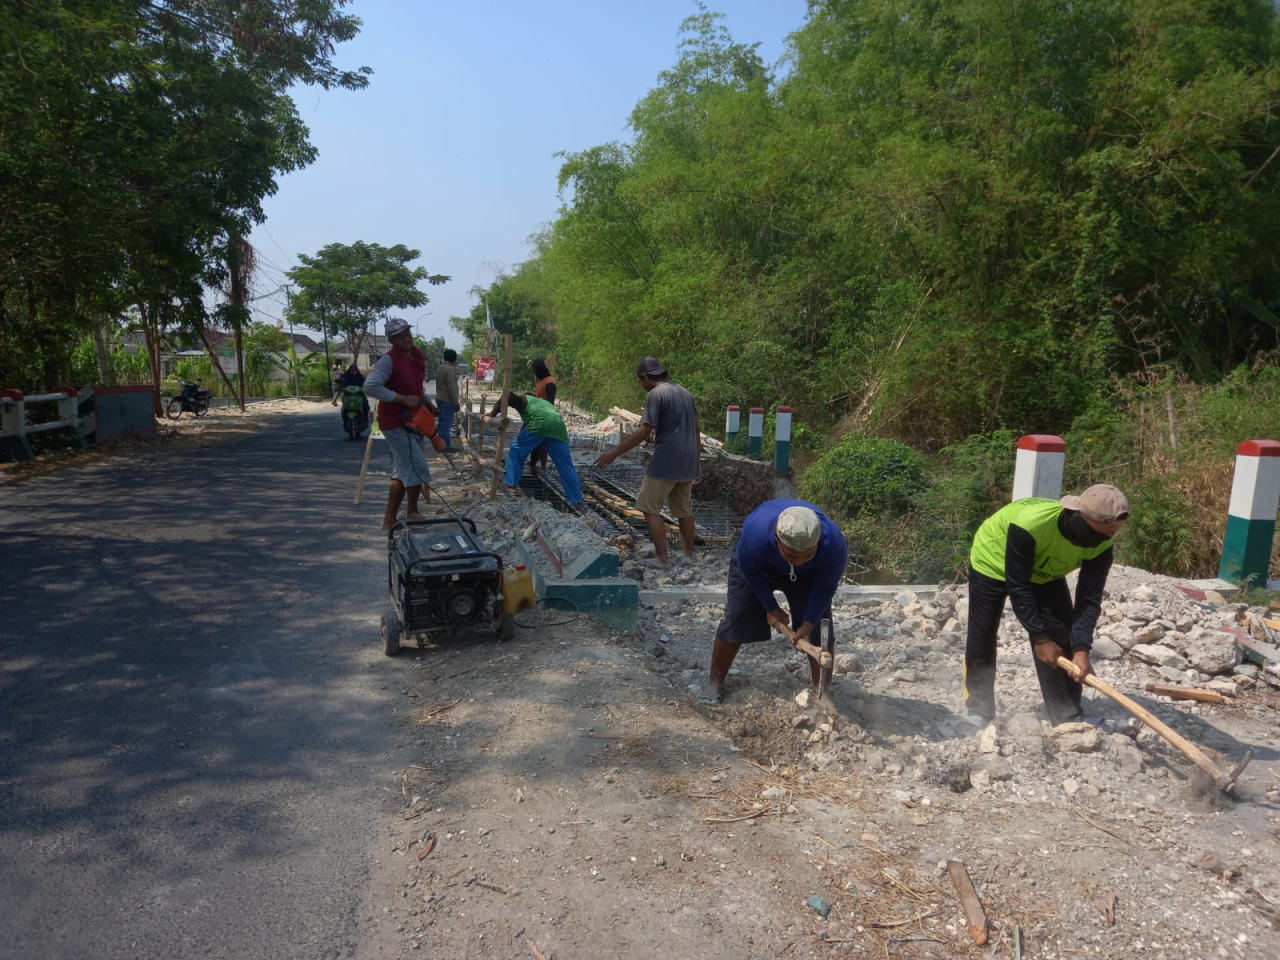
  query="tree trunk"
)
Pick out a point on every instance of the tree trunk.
point(151, 333)
point(239, 258)
point(213, 359)
point(102, 349)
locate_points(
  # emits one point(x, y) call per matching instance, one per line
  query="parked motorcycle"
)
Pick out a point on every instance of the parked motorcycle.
point(355, 412)
point(193, 399)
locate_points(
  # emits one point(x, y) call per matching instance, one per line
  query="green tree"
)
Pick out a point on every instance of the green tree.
point(347, 287)
point(137, 139)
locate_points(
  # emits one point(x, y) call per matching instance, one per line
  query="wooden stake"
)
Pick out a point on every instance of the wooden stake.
point(502, 416)
point(968, 897)
point(368, 449)
point(1184, 693)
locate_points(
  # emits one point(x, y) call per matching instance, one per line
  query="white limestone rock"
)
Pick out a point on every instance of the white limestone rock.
point(1158, 656)
point(1214, 653)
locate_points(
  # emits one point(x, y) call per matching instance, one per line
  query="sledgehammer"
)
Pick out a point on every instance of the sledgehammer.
point(804, 646)
point(1225, 782)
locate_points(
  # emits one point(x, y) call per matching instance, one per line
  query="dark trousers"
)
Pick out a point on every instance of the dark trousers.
point(986, 605)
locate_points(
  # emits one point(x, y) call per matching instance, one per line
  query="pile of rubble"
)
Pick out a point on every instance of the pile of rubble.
point(899, 669)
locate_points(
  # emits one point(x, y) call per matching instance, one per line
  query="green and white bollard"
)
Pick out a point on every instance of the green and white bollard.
point(755, 430)
point(782, 440)
point(732, 421)
point(1251, 515)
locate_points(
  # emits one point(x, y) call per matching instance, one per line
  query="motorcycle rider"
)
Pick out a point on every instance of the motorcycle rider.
point(351, 377)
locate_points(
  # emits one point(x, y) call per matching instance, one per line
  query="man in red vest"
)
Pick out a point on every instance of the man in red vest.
point(396, 383)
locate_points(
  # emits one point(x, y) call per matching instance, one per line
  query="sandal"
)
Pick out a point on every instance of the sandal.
point(710, 699)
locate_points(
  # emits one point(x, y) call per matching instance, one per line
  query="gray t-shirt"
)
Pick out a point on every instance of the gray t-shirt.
point(670, 410)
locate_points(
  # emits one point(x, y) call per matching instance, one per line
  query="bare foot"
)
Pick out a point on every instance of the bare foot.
point(413, 516)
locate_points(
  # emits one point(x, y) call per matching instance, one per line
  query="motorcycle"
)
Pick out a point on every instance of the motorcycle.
point(193, 399)
point(355, 412)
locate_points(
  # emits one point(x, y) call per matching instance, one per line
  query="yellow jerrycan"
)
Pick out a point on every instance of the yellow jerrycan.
point(517, 589)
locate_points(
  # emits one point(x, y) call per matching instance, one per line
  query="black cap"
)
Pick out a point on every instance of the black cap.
point(650, 367)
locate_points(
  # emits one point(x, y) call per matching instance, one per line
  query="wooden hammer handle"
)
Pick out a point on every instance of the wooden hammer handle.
point(1197, 756)
point(804, 646)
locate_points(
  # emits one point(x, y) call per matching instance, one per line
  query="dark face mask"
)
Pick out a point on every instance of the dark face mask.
point(1075, 528)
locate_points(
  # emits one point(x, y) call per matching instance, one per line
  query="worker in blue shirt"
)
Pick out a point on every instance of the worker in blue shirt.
point(787, 545)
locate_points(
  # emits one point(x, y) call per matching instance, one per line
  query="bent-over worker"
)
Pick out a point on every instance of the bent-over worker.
point(787, 545)
point(1024, 551)
point(543, 427)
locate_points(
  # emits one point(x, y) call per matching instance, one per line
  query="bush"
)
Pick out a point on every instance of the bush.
point(865, 475)
point(315, 382)
point(1158, 536)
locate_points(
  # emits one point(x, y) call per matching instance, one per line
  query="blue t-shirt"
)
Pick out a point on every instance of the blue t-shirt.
point(759, 559)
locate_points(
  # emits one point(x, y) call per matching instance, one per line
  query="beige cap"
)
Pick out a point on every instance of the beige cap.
point(798, 528)
point(1101, 503)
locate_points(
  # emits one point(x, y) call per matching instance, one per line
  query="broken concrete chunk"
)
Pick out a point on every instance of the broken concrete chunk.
point(1128, 756)
point(1104, 648)
point(1077, 737)
point(1022, 724)
point(1149, 634)
point(996, 769)
point(1214, 653)
point(988, 740)
point(1158, 655)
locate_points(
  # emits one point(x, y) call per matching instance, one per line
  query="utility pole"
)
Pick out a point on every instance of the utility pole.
point(328, 360)
point(293, 346)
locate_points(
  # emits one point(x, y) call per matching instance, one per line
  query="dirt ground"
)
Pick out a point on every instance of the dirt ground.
point(563, 795)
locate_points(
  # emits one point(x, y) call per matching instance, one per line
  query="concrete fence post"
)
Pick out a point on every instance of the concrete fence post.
point(755, 430)
point(1037, 471)
point(13, 425)
point(1251, 514)
point(782, 440)
point(732, 421)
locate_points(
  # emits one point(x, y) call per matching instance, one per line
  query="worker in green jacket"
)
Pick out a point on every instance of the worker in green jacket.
point(1024, 552)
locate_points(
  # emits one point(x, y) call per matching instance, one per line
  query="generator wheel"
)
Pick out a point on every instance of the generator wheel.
point(390, 632)
point(506, 628)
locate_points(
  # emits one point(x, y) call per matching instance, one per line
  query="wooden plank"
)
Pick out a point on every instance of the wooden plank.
point(969, 902)
point(502, 416)
point(1184, 693)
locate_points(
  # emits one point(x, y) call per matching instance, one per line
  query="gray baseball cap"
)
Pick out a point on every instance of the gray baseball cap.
point(394, 326)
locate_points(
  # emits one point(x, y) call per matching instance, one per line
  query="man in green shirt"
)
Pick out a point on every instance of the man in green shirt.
point(1024, 552)
point(542, 425)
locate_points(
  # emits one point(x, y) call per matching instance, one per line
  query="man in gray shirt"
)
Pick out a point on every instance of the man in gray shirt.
point(447, 397)
point(671, 418)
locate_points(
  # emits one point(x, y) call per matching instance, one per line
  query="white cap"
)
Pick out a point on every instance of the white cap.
point(798, 528)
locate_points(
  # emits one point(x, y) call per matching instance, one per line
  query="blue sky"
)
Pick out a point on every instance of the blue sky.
point(451, 149)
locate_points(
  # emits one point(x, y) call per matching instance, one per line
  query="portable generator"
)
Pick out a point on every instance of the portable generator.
point(441, 577)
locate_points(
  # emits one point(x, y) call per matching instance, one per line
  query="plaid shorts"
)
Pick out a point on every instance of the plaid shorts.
point(408, 462)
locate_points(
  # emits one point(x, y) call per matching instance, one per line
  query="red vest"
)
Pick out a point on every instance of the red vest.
point(408, 371)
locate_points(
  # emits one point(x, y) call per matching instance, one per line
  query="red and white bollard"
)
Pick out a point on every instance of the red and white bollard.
point(1037, 471)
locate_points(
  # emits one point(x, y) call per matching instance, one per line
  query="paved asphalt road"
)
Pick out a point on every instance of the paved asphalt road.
point(194, 714)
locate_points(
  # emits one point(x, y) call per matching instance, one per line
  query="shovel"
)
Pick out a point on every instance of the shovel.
point(1225, 782)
